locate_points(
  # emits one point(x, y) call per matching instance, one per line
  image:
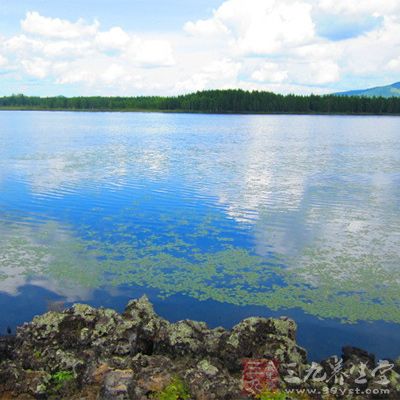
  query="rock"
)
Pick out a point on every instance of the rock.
point(96, 353)
point(116, 384)
point(262, 338)
point(140, 310)
point(188, 338)
point(7, 344)
point(356, 356)
point(397, 365)
point(10, 374)
point(23, 383)
point(206, 382)
point(151, 374)
point(99, 374)
point(394, 378)
point(207, 368)
point(34, 383)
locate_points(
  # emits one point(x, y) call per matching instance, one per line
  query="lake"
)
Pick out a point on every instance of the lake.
point(214, 217)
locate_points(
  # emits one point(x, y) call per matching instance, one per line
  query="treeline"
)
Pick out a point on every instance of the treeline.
point(214, 101)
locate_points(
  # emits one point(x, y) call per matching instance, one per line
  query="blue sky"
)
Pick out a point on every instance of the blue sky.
point(138, 15)
point(135, 47)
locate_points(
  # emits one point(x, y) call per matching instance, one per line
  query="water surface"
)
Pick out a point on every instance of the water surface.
point(214, 217)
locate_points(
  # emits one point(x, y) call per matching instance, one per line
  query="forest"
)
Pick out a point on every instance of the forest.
point(213, 101)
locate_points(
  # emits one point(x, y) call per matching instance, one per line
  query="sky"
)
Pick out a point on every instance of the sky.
point(169, 47)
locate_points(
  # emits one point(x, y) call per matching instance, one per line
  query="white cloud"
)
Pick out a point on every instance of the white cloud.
point(323, 72)
point(296, 71)
point(319, 50)
point(57, 28)
point(209, 27)
point(3, 61)
point(275, 42)
point(77, 52)
point(115, 38)
point(283, 37)
point(374, 52)
point(251, 44)
point(260, 27)
point(22, 45)
point(218, 74)
point(149, 52)
point(394, 64)
point(270, 72)
point(36, 67)
point(371, 7)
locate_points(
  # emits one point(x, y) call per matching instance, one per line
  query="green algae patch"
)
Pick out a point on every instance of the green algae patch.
point(342, 281)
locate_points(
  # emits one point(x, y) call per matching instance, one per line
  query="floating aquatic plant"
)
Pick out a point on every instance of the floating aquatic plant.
point(349, 287)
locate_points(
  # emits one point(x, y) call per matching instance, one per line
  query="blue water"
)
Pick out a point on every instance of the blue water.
point(214, 217)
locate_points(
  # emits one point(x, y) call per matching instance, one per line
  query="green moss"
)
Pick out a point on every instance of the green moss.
point(271, 395)
point(175, 390)
point(60, 378)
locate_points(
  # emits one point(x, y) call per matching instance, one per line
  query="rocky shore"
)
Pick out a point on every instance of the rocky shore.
point(89, 353)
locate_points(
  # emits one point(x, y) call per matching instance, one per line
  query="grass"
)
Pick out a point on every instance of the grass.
point(175, 390)
point(60, 378)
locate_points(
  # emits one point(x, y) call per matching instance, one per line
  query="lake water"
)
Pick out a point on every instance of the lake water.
point(214, 217)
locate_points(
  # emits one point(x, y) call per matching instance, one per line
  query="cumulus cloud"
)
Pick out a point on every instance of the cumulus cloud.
point(150, 53)
point(394, 64)
point(80, 52)
point(323, 72)
point(218, 74)
point(22, 46)
point(276, 42)
point(259, 27)
point(209, 27)
point(374, 52)
point(282, 45)
point(270, 72)
point(113, 39)
point(372, 7)
point(3, 61)
point(292, 45)
point(56, 27)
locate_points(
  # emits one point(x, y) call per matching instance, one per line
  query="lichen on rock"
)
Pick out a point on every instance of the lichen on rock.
point(96, 353)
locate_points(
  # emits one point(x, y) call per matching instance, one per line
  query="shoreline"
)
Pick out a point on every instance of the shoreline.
point(96, 353)
point(155, 111)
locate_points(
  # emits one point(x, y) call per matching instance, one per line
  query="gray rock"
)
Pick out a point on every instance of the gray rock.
point(116, 384)
point(137, 354)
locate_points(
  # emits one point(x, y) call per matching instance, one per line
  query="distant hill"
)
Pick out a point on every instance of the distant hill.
point(380, 91)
